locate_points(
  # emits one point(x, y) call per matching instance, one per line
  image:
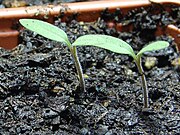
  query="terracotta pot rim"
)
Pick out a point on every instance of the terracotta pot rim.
point(33, 11)
point(70, 8)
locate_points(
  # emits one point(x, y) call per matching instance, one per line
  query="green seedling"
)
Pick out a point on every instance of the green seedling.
point(54, 33)
point(119, 46)
point(103, 41)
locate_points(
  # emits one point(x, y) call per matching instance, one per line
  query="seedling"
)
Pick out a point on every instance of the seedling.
point(103, 41)
point(119, 46)
point(54, 33)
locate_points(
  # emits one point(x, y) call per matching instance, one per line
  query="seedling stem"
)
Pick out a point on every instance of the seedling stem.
point(143, 82)
point(73, 51)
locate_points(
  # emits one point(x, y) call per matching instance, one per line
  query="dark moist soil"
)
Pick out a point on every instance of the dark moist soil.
point(39, 85)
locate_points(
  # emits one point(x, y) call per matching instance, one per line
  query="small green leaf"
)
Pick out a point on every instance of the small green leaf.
point(45, 29)
point(153, 46)
point(106, 42)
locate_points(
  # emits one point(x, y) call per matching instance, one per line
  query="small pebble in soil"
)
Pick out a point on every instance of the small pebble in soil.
point(58, 89)
point(150, 62)
point(176, 62)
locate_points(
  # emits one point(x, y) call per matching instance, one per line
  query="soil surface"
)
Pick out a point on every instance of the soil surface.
point(39, 85)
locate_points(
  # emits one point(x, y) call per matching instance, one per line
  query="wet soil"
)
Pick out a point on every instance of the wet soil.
point(39, 85)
